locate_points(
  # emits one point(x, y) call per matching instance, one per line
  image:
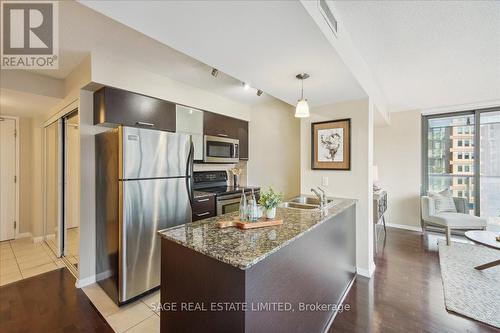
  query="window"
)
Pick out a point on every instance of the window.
point(455, 143)
point(460, 194)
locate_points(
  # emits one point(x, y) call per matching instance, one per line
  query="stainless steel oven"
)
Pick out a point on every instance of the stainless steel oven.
point(221, 150)
point(231, 202)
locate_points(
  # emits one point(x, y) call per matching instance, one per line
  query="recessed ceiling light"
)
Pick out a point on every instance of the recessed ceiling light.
point(246, 86)
point(259, 92)
point(215, 72)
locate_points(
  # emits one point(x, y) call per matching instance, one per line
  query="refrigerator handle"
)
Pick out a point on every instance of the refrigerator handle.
point(189, 173)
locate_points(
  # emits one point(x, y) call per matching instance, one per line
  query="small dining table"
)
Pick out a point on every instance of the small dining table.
point(486, 238)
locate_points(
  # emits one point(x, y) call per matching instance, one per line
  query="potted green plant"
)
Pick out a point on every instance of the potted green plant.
point(270, 200)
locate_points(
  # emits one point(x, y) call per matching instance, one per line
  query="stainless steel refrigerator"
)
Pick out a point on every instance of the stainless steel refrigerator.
point(143, 184)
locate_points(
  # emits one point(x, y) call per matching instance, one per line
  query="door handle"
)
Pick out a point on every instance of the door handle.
point(141, 123)
point(202, 200)
point(223, 135)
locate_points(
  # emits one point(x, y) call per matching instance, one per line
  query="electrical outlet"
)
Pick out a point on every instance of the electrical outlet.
point(324, 181)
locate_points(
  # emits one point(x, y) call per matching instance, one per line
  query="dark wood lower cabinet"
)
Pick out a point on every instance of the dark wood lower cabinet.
point(206, 295)
point(203, 207)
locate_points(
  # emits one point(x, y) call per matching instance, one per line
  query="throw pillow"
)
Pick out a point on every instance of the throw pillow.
point(443, 201)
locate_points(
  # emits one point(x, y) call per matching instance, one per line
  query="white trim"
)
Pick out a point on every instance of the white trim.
point(80, 283)
point(38, 239)
point(70, 107)
point(404, 226)
point(341, 302)
point(23, 235)
point(462, 107)
point(16, 121)
point(367, 273)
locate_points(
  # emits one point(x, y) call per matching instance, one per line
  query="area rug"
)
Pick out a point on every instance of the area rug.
point(467, 291)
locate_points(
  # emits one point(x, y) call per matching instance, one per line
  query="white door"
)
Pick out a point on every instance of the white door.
point(7, 178)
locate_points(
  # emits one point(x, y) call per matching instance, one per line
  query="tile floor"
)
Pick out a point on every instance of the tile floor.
point(138, 316)
point(22, 258)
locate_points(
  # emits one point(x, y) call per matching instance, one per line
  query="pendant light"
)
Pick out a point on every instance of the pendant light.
point(302, 108)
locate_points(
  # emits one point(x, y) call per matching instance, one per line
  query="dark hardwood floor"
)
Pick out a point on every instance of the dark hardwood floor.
point(48, 303)
point(406, 292)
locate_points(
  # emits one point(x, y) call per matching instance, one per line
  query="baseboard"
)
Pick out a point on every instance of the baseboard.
point(80, 283)
point(404, 226)
point(23, 235)
point(367, 273)
point(38, 239)
point(341, 302)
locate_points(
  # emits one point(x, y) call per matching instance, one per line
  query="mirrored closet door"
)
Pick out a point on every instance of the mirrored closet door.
point(62, 189)
point(53, 187)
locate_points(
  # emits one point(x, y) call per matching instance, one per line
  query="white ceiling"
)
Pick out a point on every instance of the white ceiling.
point(23, 104)
point(265, 43)
point(428, 54)
point(82, 31)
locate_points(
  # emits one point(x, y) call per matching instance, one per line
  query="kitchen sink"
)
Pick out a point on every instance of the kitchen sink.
point(297, 205)
point(309, 200)
point(305, 202)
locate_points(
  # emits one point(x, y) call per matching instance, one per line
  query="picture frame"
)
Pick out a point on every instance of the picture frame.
point(331, 145)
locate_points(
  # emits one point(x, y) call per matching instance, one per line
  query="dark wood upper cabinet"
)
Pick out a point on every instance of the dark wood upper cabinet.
point(120, 107)
point(243, 137)
point(228, 127)
point(219, 125)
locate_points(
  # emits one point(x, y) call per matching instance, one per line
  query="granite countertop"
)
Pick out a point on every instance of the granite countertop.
point(245, 248)
point(201, 194)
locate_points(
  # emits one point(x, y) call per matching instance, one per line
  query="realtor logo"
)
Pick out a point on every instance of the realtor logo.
point(29, 35)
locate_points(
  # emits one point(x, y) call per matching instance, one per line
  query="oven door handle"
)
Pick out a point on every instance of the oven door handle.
point(228, 201)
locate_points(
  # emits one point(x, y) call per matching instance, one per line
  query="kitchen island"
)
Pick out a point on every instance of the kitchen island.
point(287, 278)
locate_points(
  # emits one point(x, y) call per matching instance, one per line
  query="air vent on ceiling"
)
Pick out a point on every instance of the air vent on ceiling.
point(328, 16)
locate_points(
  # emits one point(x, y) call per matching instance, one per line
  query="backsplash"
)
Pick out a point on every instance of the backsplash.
point(225, 167)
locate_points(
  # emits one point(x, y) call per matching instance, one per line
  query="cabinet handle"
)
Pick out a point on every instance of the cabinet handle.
point(141, 123)
point(223, 135)
point(202, 200)
point(203, 214)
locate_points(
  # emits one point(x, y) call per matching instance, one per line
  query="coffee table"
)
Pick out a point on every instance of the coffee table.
point(486, 238)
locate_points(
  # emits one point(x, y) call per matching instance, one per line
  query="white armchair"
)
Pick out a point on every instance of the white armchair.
point(448, 220)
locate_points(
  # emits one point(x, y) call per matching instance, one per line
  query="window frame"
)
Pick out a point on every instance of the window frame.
point(475, 152)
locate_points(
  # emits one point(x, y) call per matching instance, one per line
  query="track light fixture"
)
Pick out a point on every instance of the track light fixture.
point(215, 72)
point(259, 92)
point(246, 86)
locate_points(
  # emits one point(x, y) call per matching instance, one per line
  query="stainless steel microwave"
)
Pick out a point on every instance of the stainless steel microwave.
point(221, 150)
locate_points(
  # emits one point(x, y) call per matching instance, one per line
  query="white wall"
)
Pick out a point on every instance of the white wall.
point(38, 175)
point(397, 154)
point(119, 72)
point(356, 183)
point(123, 74)
point(25, 174)
point(274, 151)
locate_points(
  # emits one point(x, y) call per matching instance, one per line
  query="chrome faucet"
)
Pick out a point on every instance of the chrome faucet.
point(321, 196)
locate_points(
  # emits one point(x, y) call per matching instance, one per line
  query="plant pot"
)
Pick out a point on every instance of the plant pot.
point(271, 213)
